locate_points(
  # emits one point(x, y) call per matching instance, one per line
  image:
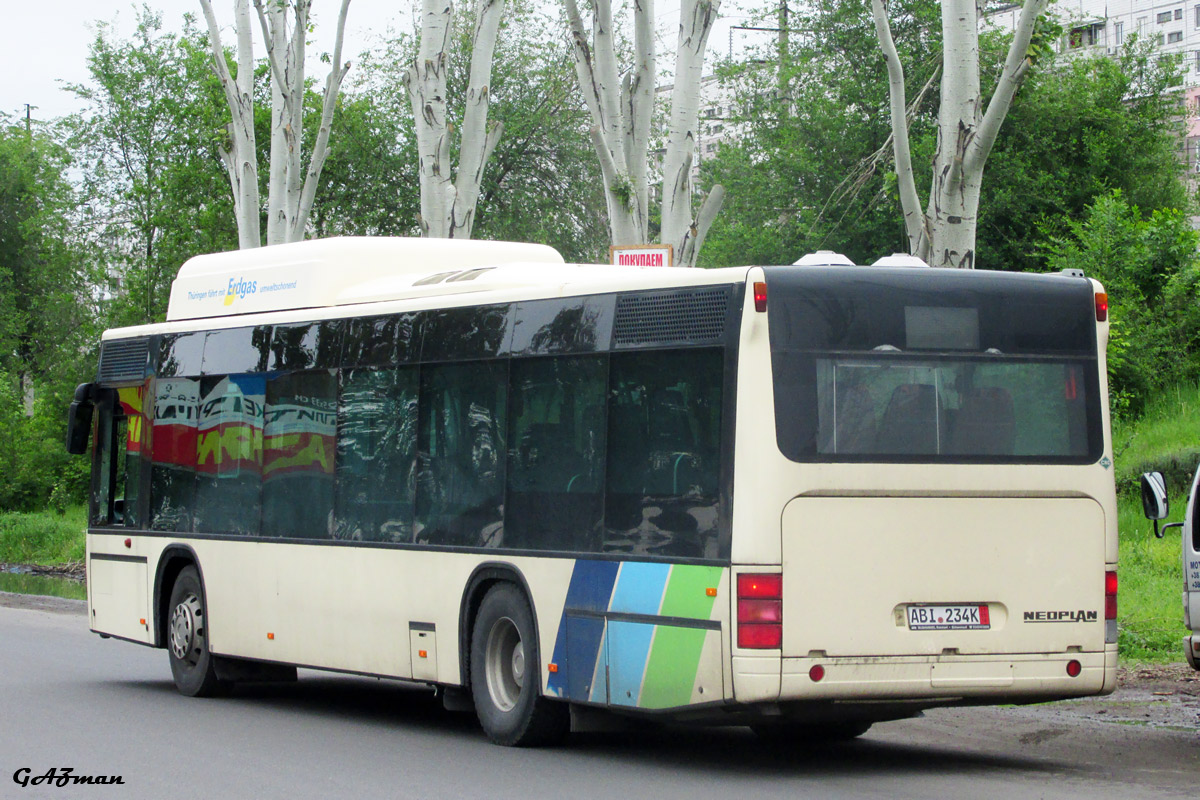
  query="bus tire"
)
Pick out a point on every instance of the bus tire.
point(192, 664)
point(505, 676)
point(809, 733)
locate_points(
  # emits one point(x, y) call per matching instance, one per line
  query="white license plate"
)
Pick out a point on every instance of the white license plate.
point(965, 617)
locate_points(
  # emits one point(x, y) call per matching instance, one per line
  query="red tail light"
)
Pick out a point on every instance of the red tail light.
point(1101, 306)
point(760, 297)
point(760, 611)
point(1110, 595)
point(768, 586)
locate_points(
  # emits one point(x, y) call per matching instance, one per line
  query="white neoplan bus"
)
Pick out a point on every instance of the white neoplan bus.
point(803, 499)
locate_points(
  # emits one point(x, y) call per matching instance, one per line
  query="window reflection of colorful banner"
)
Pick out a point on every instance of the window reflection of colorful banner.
point(175, 419)
point(230, 427)
point(132, 401)
point(228, 430)
point(301, 437)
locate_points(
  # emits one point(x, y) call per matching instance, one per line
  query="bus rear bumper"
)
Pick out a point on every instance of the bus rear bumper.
point(1004, 679)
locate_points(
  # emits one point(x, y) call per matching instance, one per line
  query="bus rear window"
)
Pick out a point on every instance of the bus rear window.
point(934, 366)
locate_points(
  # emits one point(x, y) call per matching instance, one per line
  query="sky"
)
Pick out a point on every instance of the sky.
point(44, 43)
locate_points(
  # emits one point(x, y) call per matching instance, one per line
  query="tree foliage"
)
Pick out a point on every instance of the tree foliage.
point(147, 144)
point(813, 167)
point(46, 313)
point(1150, 268)
point(541, 184)
point(1077, 132)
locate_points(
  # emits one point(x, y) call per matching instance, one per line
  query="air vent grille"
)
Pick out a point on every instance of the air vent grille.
point(678, 317)
point(124, 360)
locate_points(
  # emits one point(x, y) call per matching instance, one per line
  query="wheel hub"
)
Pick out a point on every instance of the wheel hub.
point(505, 664)
point(184, 629)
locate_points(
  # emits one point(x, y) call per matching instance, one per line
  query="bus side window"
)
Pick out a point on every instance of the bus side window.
point(102, 486)
point(556, 453)
point(461, 454)
point(115, 489)
point(663, 453)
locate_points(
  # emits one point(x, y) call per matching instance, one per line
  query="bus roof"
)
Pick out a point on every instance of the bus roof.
point(331, 272)
point(328, 278)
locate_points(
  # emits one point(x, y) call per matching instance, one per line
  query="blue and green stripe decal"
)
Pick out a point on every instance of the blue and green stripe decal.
point(624, 637)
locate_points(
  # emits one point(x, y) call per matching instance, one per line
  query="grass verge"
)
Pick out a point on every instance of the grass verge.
point(43, 537)
point(1149, 607)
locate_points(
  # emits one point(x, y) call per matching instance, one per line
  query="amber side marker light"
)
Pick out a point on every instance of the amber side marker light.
point(760, 297)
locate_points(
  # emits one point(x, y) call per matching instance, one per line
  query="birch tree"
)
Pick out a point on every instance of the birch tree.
point(291, 185)
point(944, 233)
point(621, 108)
point(448, 200)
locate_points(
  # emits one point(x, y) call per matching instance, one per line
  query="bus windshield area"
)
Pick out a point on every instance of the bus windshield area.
point(934, 366)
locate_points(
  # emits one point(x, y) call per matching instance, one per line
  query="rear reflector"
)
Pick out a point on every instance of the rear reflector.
point(1101, 307)
point(816, 673)
point(760, 637)
point(1074, 668)
point(760, 611)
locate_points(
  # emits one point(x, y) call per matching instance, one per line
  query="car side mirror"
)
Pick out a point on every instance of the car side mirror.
point(1154, 501)
point(1154, 496)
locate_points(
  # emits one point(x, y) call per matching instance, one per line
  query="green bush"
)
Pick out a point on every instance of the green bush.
point(1151, 272)
point(43, 538)
point(33, 456)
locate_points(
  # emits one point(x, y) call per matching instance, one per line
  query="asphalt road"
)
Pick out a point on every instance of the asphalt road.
point(107, 708)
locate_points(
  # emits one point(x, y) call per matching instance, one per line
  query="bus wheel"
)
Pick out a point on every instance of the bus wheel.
point(505, 676)
point(187, 639)
point(813, 733)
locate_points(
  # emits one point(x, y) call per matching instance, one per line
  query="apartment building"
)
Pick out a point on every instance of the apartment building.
point(1103, 26)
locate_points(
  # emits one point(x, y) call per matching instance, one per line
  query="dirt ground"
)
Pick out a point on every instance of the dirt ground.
point(72, 569)
point(1155, 695)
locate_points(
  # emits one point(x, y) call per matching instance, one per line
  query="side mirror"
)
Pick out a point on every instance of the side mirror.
point(1154, 496)
point(1154, 501)
point(79, 425)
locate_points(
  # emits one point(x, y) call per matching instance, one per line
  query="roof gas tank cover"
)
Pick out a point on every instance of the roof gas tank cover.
point(327, 272)
point(823, 258)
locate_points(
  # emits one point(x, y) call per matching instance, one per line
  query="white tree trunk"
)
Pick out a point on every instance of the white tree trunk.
point(290, 189)
point(622, 113)
point(910, 203)
point(679, 229)
point(238, 154)
point(426, 84)
point(320, 151)
point(966, 133)
point(478, 137)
